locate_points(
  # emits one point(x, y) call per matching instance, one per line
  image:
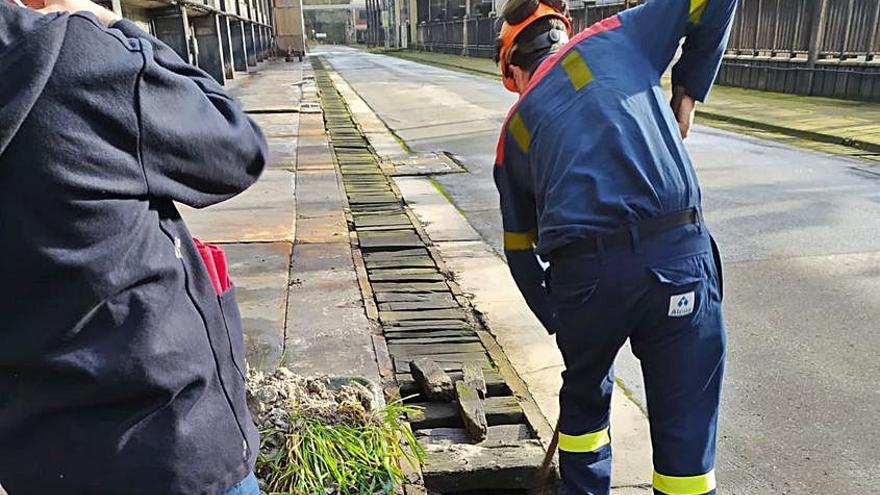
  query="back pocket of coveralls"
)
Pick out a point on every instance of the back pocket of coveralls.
point(234, 329)
point(684, 288)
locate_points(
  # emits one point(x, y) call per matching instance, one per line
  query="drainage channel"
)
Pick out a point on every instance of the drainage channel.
point(421, 317)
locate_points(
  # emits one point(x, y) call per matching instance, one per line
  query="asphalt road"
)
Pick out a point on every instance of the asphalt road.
point(800, 235)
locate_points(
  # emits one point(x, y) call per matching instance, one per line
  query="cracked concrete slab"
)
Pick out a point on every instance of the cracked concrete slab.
point(433, 211)
point(278, 125)
point(260, 274)
point(263, 213)
point(271, 88)
point(328, 332)
point(282, 153)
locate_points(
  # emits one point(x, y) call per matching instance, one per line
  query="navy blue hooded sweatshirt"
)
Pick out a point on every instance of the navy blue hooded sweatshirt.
point(121, 371)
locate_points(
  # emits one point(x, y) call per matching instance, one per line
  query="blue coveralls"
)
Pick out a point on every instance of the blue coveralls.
point(592, 154)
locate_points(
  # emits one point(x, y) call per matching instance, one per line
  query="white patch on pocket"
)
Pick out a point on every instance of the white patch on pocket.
point(682, 304)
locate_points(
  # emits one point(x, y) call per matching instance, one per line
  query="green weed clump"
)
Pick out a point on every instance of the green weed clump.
point(320, 458)
point(317, 441)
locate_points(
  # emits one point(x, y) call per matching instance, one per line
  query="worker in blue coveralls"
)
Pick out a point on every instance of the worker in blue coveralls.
point(594, 179)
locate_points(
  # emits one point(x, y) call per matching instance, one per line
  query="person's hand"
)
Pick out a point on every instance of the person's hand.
point(684, 107)
point(107, 17)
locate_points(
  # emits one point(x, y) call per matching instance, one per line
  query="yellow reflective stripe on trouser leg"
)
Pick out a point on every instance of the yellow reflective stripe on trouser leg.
point(589, 442)
point(697, 9)
point(684, 485)
point(520, 132)
point(520, 241)
point(577, 70)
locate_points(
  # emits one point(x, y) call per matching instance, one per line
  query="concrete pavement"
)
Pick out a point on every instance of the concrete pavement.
point(800, 232)
point(287, 239)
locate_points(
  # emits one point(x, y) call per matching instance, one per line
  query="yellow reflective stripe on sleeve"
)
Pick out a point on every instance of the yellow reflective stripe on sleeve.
point(589, 442)
point(697, 9)
point(577, 70)
point(685, 485)
point(520, 241)
point(520, 132)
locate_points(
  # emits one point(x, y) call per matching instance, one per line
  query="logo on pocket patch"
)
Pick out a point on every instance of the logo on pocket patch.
point(681, 305)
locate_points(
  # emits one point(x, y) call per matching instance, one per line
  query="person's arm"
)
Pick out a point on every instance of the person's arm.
point(707, 33)
point(659, 25)
point(198, 146)
point(520, 237)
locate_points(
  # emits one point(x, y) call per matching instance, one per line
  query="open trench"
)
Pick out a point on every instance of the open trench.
point(422, 316)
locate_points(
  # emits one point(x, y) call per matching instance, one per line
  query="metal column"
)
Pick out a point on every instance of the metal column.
point(251, 42)
point(210, 56)
point(172, 27)
point(817, 36)
point(226, 42)
point(239, 47)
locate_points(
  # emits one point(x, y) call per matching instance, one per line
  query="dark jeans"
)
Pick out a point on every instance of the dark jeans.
point(247, 486)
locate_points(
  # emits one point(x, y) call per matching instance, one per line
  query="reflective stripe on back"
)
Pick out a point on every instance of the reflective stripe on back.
point(577, 70)
point(609, 24)
point(588, 442)
point(520, 132)
point(684, 485)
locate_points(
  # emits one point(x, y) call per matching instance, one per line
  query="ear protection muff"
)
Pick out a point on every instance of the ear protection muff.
point(544, 41)
point(519, 16)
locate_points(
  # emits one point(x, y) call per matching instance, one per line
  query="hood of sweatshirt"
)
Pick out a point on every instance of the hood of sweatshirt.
point(29, 47)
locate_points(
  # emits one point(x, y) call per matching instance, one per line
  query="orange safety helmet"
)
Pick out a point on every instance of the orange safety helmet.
point(509, 32)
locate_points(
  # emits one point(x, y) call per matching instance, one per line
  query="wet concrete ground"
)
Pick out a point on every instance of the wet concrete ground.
point(800, 232)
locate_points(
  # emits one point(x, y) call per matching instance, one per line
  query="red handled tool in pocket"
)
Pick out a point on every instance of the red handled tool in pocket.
point(215, 262)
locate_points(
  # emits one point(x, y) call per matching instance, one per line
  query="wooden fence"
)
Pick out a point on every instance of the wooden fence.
point(811, 47)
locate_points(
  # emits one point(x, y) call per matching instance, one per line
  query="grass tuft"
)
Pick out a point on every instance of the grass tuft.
point(340, 459)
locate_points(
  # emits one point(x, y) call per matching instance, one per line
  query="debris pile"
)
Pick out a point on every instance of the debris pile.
point(273, 397)
point(468, 393)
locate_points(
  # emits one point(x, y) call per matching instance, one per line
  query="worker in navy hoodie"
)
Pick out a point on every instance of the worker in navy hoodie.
point(121, 369)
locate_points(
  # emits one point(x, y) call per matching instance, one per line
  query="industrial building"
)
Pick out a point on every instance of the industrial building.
point(338, 22)
point(225, 38)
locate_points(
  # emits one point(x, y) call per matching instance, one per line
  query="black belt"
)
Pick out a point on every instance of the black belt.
point(623, 237)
